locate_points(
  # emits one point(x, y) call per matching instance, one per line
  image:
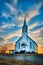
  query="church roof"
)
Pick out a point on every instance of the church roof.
point(32, 40)
point(28, 37)
point(18, 39)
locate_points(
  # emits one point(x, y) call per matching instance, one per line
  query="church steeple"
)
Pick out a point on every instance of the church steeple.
point(24, 22)
point(24, 28)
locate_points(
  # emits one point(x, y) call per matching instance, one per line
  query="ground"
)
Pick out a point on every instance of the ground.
point(21, 59)
point(4, 61)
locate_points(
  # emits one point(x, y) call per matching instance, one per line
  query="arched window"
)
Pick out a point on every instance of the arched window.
point(23, 44)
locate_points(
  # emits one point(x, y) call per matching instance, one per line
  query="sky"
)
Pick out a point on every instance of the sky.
point(12, 13)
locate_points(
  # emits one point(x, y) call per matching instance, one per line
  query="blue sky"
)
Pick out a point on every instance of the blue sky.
point(12, 13)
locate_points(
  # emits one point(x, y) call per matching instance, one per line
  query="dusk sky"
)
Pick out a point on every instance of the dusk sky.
point(12, 13)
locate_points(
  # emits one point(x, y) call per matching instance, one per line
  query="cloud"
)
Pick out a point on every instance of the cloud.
point(34, 25)
point(38, 30)
point(37, 35)
point(14, 2)
point(1, 30)
point(9, 36)
point(7, 25)
point(20, 18)
point(1, 39)
point(5, 15)
point(4, 42)
point(12, 9)
point(33, 11)
point(29, 14)
point(39, 40)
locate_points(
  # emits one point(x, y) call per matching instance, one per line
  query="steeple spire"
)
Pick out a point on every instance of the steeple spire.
point(24, 20)
point(24, 23)
point(25, 28)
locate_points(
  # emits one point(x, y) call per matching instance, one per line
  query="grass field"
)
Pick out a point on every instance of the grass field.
point(4, 61)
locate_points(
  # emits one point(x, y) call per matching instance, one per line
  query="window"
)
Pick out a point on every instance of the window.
point(23, 45)
point(19, 46)
point(30, 45)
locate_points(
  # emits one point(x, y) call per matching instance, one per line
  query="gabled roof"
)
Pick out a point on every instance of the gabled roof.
point(29, 38)
point(32, 40)
point(18, 39)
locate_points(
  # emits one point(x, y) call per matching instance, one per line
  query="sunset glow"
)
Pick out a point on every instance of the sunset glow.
point(12, 14)
point(40, 48)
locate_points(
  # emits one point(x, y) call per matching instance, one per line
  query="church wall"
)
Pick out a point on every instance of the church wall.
point(27, 49)
point(21, 41)
point(24, 39)
point(32, 45)
point(18, 48)
point(27, 40)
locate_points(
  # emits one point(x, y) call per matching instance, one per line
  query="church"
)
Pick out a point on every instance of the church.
point(25, 43)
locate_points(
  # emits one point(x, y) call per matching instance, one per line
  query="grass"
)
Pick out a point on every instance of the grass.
point(4, 61)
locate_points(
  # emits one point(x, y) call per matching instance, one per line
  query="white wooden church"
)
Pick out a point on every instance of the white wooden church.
point(25, 43)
